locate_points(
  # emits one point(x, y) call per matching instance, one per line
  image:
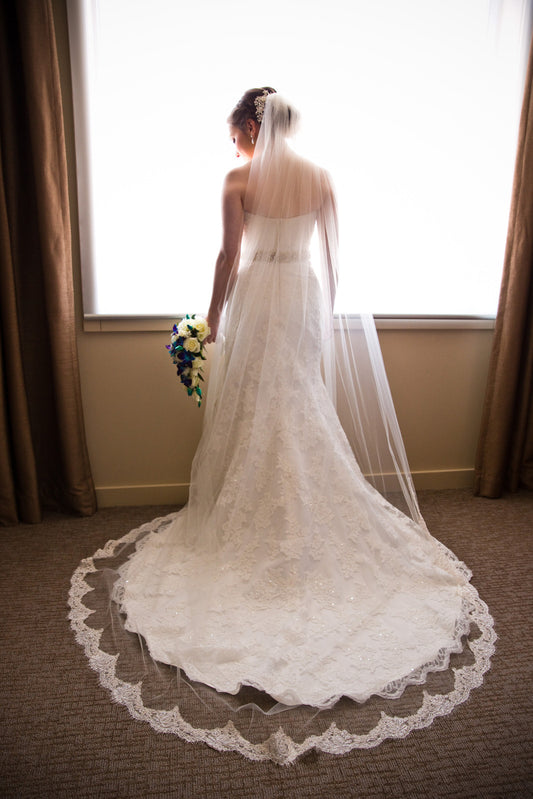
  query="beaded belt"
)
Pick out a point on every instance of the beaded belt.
point(282, 256)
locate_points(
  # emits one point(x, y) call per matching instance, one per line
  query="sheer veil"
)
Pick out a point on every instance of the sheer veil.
point(267, 549)
point(282, 184)
point(279, 323)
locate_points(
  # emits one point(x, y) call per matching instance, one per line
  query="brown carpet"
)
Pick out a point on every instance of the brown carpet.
point(61, 736)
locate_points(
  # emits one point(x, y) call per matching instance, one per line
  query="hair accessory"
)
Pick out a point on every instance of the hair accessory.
point(259, 103)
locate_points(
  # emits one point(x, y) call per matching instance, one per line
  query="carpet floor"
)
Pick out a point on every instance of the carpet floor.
point(61, 736)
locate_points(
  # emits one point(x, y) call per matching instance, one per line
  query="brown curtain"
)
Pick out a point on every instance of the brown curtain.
point(505, 451)
point(43, 454)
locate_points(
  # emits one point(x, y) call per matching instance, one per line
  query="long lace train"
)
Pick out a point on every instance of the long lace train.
point(250, 722)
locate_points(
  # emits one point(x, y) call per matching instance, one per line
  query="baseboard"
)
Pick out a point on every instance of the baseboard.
point(443, 478)
point(177, 493)
point(433, 479)
point(166, 494)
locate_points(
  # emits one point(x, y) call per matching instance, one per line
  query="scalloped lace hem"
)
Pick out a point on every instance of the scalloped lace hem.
point(280, 747)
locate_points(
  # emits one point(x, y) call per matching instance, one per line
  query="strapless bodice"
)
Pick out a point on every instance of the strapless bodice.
point(283, 235)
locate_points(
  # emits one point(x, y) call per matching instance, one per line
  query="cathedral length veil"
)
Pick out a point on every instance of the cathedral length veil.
point(286, 569)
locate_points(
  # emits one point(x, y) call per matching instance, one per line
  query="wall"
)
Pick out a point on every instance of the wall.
point(142, 430)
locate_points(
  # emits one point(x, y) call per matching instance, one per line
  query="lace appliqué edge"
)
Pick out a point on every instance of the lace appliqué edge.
point(279, 747)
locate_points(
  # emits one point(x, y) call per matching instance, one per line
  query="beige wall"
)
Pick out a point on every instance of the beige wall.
point(438, 379)
point(142, 430)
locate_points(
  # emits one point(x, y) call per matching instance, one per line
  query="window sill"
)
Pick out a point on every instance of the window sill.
point(153, 324)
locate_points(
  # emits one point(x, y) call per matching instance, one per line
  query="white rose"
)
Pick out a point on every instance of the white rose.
point(197, 363)
point(183, 327)
point(191, 345)
point(195, 381)
point(201, 327)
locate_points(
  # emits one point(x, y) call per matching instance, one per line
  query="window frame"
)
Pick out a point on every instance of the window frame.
point(159, 322)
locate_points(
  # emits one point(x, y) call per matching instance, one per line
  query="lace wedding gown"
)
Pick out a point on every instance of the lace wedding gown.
point(309, 585)
point(287, 574)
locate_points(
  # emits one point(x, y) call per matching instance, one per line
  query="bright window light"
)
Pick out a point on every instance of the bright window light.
point(412, 106)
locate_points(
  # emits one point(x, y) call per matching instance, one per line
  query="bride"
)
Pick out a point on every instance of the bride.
point(301, 568)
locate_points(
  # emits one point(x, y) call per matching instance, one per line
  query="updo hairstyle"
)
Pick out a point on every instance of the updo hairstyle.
point(245, 108)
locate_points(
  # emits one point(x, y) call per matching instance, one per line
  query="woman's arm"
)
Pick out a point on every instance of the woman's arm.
point(328, 225)
point(232, 225)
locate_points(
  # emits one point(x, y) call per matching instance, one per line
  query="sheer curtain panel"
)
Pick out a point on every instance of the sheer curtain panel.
point(43, 454)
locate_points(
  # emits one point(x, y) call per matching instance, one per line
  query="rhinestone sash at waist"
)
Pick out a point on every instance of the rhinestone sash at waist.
point(281, 256)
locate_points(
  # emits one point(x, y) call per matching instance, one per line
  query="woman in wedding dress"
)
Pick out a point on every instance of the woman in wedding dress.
point(290, 574)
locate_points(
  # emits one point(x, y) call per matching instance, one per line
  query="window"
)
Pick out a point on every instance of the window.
point(413, 106)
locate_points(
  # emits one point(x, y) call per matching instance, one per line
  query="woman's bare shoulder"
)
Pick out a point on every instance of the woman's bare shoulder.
point(238, 177)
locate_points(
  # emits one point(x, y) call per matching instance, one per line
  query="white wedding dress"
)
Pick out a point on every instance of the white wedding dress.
point(378, 602)
point(287, 571)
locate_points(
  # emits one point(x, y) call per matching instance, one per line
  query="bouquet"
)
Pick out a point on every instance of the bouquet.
point(186, 350)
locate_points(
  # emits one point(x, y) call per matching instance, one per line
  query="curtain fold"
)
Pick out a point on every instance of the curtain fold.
point(505, 451)
point(43, 454)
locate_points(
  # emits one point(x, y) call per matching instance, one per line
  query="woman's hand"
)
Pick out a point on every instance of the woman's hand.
point(213, 322)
